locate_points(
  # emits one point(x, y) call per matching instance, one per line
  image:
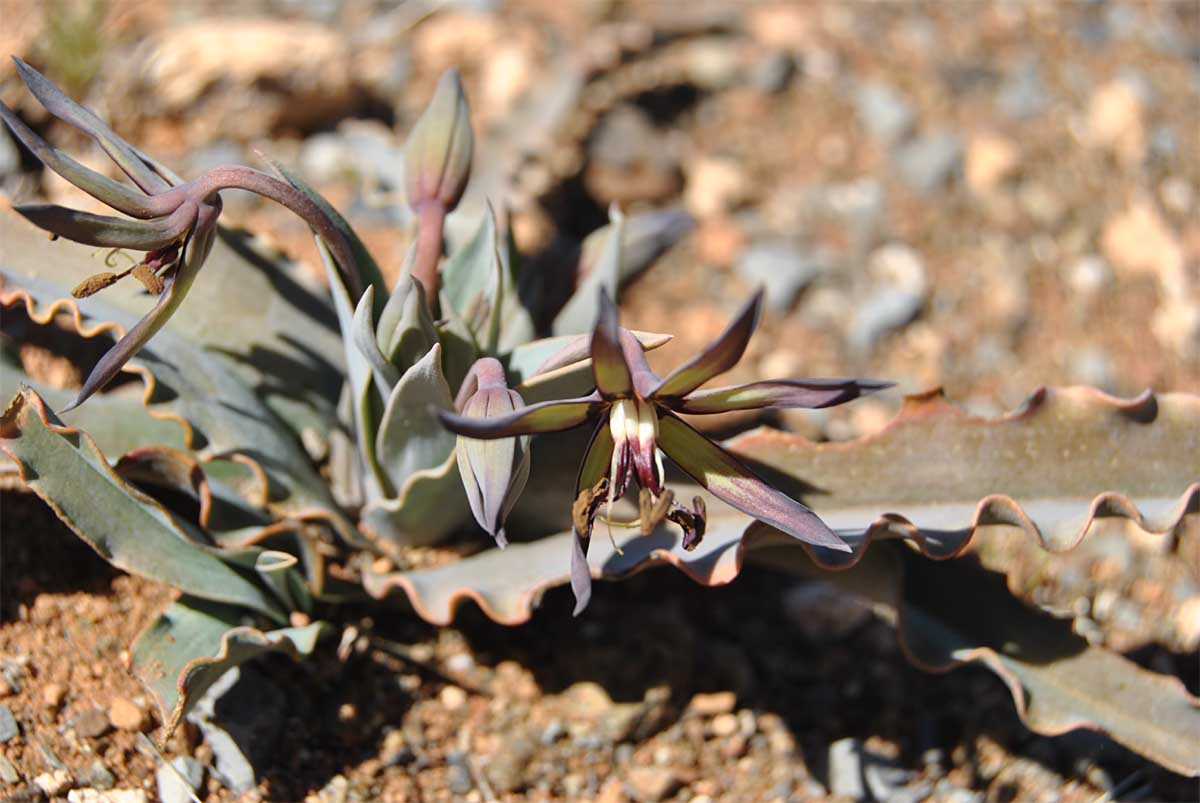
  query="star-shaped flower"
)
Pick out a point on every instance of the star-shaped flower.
point(635, 414)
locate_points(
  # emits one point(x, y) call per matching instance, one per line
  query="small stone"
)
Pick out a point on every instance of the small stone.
point(460, 782)
point(724, 725)
point(508, 766)
point(8, 773)
point(1088, 275)
point(928, 163)
point(896, 299)
point(1176, 324)
point(587, 700)
point(708, 705)
point(453, 698)
point(1103, 604)
point(781, 268)
point(1139, 241)
point(91, 723)
point(127, 715)
point(613, 791)
point(651, 784)
point(113, 796)
point(5, 687)
point(53, 695)
point(258, 76)
point(552, 732)
point(54, 783)
point(990, 160)
point(712, 63)
point(846, 777)
point(1187, 624)
point(96, 775)
point(1023, 95)
point(883, 112)
point(178, 781)
point(1116, 121)
point(8, 725)
point(1093, 366)
point(10, 157)
point(771, 74)
point(1177, 194)
point(396, 749)
point(715, 185)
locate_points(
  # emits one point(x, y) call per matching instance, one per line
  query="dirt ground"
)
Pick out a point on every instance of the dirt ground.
point(984, 197)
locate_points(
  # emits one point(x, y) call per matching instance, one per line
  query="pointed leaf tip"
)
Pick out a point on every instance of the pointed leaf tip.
point(718, 356)
point(609, 367)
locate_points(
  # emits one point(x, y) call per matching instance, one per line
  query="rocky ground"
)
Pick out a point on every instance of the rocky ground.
point(985, 197)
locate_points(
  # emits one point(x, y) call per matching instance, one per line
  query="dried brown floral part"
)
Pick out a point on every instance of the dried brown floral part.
point(149, 279)
point(95, 283)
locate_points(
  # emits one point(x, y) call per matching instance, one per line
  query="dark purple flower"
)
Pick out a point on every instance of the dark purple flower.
point(636, 421)
point(173, 221)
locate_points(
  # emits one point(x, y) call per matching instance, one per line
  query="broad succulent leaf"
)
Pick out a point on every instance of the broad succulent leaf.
point(560, 367)
point(410, 438)
point(430, 505)
point(194, 641)
point(363, 334)
point(202, 392)
point(937, 478)
point(126, 527)
point(467, 273)
point(579, 314)
point(644, 238)
point(365, 401)
point(954, 613)
point(118, 422)
point(459, 349)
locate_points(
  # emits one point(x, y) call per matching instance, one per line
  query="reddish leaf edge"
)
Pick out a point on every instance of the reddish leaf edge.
point(45, 314)
point(990, 510)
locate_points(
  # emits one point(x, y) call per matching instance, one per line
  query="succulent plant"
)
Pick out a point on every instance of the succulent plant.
point(291, 433)
point(638, 422)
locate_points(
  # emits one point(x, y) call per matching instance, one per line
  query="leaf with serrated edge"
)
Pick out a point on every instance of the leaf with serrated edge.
point(951, 614)
point(193, 642)
point(1149, 475)
point(219, 414)
point(127, 528)
point(429, 506)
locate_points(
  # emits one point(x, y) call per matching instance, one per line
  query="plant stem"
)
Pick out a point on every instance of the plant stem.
point(247, 178)
point(431, 216)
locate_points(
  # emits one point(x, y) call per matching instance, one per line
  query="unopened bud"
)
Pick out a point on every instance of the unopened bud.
point(493, 472)
point(437, 156)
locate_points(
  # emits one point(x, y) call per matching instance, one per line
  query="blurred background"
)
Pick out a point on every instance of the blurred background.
point(987, 197)
point(983, 196)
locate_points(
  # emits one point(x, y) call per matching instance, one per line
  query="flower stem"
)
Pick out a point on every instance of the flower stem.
point(259, 183)
point(431, 216)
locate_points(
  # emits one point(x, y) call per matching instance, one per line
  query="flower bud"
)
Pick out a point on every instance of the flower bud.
point(493, 472)
point(437, 156)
